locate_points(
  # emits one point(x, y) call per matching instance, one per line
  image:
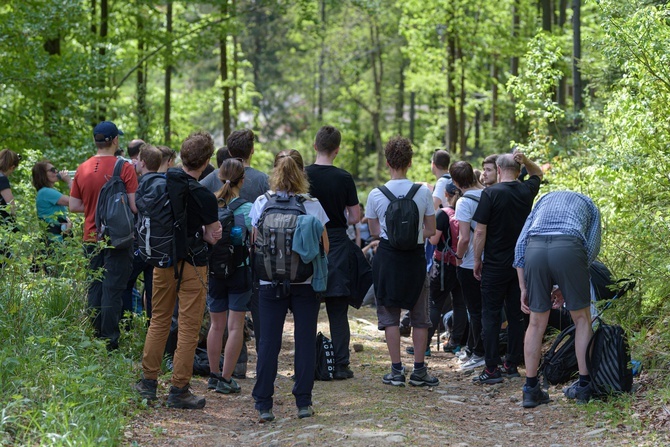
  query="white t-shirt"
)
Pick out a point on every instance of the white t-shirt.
point(312, 207)
point(438, 191)
point(465, 209)
point(377, 204)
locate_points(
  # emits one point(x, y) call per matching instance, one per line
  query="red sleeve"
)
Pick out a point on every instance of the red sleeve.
point(129, 178)
point(74, 190)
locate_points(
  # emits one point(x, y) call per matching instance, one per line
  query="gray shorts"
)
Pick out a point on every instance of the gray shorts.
point(561, 260)
point(419, 316)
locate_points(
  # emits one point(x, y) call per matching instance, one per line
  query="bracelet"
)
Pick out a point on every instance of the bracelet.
point(457, 257)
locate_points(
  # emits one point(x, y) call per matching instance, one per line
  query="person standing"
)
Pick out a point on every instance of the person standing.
point(399, 276)
point(201, 213)
point(336, 191)
point(500, 216)
point(557, 245)
point(489, 171)
point(105, 294)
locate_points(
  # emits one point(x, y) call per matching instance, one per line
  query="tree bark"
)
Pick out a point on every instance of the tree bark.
point(377, 77)
point(223, 47)
point(576, 57)
point(235, 65)
point(462, 137)
point(562, 83)
point(412, 112)
point(49, 105)
point(400, 104)
point(322, 59)
point(494, 92)
point(167, 132)
point(547, 15)
point(451, 137)
point(102, 81)
point(142, 114)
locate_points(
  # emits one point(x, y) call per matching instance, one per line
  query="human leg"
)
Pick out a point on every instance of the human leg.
point(471, 289)
point(305, 308)
point(118, 266)
point(96, 260)
point(163, 301)
point(338, 319)
point(493, 288)
point(533, 341)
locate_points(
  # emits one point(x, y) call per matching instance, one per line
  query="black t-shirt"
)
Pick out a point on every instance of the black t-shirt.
point(208, 170)
point(335, 189)
point(4, 184)
point(442, 224)
point(201, 209)
point(503, 208)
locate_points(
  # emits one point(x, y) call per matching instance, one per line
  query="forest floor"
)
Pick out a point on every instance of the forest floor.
point(364, 412)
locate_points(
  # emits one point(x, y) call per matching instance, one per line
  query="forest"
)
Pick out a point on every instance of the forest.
point(581, 86)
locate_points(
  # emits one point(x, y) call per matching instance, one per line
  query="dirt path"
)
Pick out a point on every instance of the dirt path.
point(364, 412)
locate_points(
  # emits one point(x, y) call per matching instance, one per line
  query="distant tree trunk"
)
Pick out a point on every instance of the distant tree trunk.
point(478, 123)
point(322, 59)
point(223, 47)
point(547, 15)
point(400, 104)
point(235, 65)
point(494, 92)
point(562, 83)
point(102, 81)
point(168, 76)
point(576, 56)
point(412, 103)
point(451, 137)
point(463, 139)
point(49, 105)
point(377, 76)
point(142, 114)
point(514, 62)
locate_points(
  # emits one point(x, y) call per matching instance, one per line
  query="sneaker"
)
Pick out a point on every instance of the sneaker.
point(227, 386)
point(147, 389)
point(410, 351)
point(464, 355)
point(475, 362)
point(532, 397)
point(405, 331)
point(213, 380)
point(395, 377)
point(582, 394)
point(420, 377)
point(183, 398)
point(265, 415)
point(450, 347)
point(305, 412)
point(343, 372)
point(489, 377)
point(509, 370)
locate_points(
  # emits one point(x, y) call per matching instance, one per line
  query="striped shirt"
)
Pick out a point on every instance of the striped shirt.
point(562, 212)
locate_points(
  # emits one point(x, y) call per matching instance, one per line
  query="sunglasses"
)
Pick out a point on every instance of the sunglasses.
point(54, 170)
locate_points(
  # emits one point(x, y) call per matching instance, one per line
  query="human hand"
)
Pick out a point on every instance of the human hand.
point(64, 176)
point(520, 157)
point(477, 271)
point(524, 301)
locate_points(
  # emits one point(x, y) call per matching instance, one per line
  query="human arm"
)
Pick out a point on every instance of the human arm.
point(435, 239)
point(353, 214)
point(531, 166)
point(63, 200)
point(374, 227)
point(325, 241)
point(463, 241)
point(524, 294)
point(76, 205)
point(212, 232)
point(131, 202)
point(65, 177)
point(429, 226)
point(9, 199)
point(479, 243)
point(436, 202)
point(358, 235)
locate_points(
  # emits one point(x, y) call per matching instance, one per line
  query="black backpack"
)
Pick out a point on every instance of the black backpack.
point(226, 256)
point(114, 220)
point(608, 361)
point(559, 364)
point(273, 258)
point(325, 358)
point(402, 219)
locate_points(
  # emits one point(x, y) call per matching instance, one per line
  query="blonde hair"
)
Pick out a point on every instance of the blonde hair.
point(288, 173)
point(231, 173)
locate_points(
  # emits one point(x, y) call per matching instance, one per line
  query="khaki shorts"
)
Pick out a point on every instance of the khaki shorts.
point(419, 316)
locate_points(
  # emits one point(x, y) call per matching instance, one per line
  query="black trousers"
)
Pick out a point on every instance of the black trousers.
point(472, 294)
point(445, 296)
point(337, 308)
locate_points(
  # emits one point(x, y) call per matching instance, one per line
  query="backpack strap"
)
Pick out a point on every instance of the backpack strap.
point(118, 167)
point(476, 199)
point(236, 204)
point(412, 191)
point(389, 195)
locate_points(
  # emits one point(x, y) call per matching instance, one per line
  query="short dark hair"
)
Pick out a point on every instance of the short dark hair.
point(327, 140)
point(167, 154)
point(398, 152)
point(462, 174)
point(151, 156)
point(240, 143)
point(197, 149)
point(490, 160)
point(441, 159)
point(222, 154)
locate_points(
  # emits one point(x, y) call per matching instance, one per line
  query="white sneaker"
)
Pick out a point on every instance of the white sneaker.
point(463, 355)
point(475, 362)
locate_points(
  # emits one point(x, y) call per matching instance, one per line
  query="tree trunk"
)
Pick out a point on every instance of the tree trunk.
point(400, 104)
point(322, 59)
point(576, 56)
point(562, 83)
point(223, 47)
point(102, 81)
point(233, 120)
point(547, 15)
point(451, 138)
point(168, 76)
point(462, 140)
point(494, 92)
point(412, 111)
point(142, 115)
point(50, 106)
point(514, 62)
point(377, 76)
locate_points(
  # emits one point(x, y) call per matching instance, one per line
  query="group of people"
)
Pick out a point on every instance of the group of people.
point(489, 253)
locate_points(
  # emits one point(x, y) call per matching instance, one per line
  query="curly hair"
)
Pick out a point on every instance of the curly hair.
point(288, 173)
point(197, 149)
point(398, 152)
point(231, 174)
point(240, 143)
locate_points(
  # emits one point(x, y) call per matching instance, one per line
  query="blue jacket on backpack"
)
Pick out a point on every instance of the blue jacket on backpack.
point(306, 243)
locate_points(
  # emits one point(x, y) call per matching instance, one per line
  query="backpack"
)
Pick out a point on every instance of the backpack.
point(559, 363)
point(114, 220)
point(325, 358)
point(274, 259)
point(402, 219)
point(608, 361)
point(228, 254)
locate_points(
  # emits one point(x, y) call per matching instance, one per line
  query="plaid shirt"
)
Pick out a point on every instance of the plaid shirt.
point(562, 212)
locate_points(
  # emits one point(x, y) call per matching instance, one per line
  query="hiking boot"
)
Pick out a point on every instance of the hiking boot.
point(395, 377)
point(240, 371)
point(147, 389)
point(213, 380)
point(420, 377)
point(582, 394)
point(475, 362)
point(532, 397)
point(183, 398)
point(343, 372)
point(265, 415)
point(509, 370)
point(450, 347)
point(305, 412)
point(410, 351)
point(227, 386)
point(489, 377)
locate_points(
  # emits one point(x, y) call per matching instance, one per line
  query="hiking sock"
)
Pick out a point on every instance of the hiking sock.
point(584, 380)
point(397, 366)
point(419, 365)
point(531, 382)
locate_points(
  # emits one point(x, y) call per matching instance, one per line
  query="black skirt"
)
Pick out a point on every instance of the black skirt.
point(398, 275)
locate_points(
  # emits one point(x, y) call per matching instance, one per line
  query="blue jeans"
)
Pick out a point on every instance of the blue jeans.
point(273, 306)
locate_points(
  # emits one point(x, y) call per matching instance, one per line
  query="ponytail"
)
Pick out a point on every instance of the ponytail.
point(288, 173)
point(231, 174)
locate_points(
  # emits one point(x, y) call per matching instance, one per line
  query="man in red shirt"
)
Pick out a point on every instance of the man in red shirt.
point(105, 294)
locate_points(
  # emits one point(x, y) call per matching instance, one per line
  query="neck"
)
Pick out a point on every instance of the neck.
point(323, 159)
point(398, 174)
point(108, 151)
point(439, 173)
point(247, 163)
point(195, 173)
point(504, 177)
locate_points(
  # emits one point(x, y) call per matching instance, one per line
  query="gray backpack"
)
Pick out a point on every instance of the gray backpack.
point(114, 220)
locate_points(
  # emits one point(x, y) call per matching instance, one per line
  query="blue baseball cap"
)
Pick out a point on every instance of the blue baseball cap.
point(106, 131)
point(450, 188)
